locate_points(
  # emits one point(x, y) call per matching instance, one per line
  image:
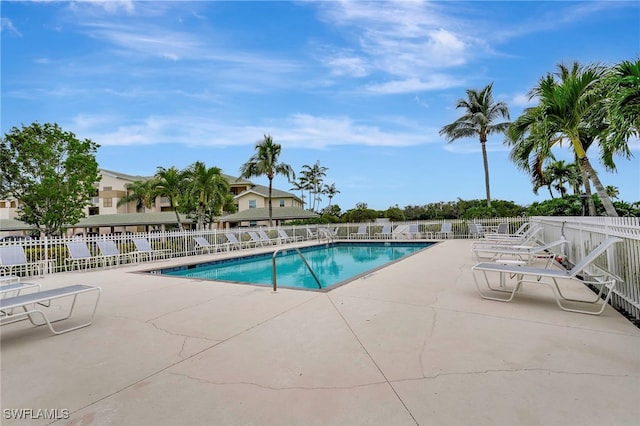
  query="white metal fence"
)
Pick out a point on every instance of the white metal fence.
point(583, 233)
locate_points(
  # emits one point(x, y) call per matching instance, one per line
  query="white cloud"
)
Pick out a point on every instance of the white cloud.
point(298, 130)
point(7, 25)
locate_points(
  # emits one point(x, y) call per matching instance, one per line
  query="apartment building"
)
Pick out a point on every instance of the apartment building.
point(112, 188)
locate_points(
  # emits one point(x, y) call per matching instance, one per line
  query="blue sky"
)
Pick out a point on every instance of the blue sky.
point(362, 87)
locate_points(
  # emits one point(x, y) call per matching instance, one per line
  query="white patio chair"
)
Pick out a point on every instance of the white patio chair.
point(582, 272)
point(80, 255)
point(111, 253)
point(13, 260)
point(144, 250)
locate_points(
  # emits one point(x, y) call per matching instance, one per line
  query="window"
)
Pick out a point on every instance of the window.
point(281, 203)
point(252, 204)
point(106, 188)
point(107, 202)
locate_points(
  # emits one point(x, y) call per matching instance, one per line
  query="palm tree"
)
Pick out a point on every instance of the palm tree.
point(312, 176)
point(140, 192)
point(265, 162)
point(331, 192)
point(622, 102)
point(209, 188)
point(479, 119)
point(170, 184)
point(299, 185)
point(567, 111)
point(560, 172)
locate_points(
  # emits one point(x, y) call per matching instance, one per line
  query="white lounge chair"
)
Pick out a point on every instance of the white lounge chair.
point(144, 250)
point(399, 231)
point(385, 232)
point(79, 256)
point(266, 239)
point(445, 231)
point(525, 254)
point(257, 239)
point(527, 238)
point(234, 242)
point(361, 233)
point(203, 245)
point(285, 238)
point(31, 305)
point(581, 272)
point(476, 230)
point(111, 253)
point(13, 260)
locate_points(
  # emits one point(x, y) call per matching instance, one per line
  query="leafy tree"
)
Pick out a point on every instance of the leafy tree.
point(394, 214)
point(569, 109)
point(141, 192)
point(621, 100)
point(479, 119)
point(208, 188)
point(331, 191)
point(265, 162)
point(170, 183)
point(51, 173)
point(312, 178)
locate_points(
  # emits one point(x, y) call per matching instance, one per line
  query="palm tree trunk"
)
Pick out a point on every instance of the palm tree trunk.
point(602, 193)
point(270, 206)
point(486, 171)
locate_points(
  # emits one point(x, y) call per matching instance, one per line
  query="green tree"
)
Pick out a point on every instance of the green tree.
point(394, 214)
point(209, 189)
point(170, 183)
point(479, 119)
point(567, 111)
point(331, 191)
point(265, 162)
point(141, 192)
point(312, 178)
point(51, 173)
point(621, 98)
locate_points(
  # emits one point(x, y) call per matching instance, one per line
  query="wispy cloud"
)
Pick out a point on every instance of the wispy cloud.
point(297, 131)
point(7, 25)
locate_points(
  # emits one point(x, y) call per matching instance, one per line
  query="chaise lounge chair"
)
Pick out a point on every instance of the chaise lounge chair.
point(361, 233)
point(384, 233)
point(79, 255)
point(445, 231)
point(13, 309)
point(13, 260)
point(518, 254)
point(584, 271)
point(144, 249)
point(111, 253)
point(203, 245)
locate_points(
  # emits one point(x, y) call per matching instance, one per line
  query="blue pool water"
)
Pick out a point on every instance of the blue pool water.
point(333, 264)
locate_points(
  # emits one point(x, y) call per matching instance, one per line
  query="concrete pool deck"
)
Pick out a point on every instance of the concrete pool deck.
point(410, 344)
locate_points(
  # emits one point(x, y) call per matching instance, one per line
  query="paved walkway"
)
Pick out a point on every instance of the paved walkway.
point(411, 344)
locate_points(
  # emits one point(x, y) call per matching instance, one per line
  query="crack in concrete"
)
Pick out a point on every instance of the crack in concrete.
point(276, 388)
point(518, 370)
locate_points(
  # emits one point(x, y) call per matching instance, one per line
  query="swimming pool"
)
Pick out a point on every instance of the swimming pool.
point(333, 264)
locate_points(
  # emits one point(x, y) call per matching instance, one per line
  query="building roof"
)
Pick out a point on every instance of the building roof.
point(103, 220)
point(262, 213)
point(263, 191)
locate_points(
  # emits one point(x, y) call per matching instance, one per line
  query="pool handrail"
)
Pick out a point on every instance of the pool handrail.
point(273, 267)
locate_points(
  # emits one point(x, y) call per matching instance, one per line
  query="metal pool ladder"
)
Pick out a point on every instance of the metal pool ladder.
point(273, 267)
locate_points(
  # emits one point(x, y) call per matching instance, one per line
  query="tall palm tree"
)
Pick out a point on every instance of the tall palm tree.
point(313, 175)
point(560, 173)
point(479, 119)
point(331, 192)
point(265, 162)
point(622, 102)
point(299, 185)
point(567, 111)
point(141, 192)
point(209, 188)
point(170, 184)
